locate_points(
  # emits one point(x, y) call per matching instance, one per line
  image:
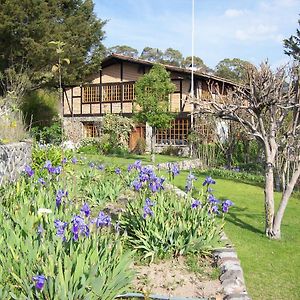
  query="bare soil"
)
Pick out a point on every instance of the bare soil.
point(174, 278)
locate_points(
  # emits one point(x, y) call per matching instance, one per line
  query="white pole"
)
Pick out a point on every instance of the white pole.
point(192, 71)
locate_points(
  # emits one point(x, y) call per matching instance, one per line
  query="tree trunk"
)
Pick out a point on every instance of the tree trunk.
point(153, 140)
point(269, 199)
point(283, 203)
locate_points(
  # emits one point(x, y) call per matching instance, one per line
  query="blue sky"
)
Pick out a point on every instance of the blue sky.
point(252, 30)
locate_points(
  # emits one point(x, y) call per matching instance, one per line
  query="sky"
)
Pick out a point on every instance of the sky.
point(251, 30)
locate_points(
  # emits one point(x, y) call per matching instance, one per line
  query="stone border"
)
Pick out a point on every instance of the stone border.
point(232, 277)
point(182, 165)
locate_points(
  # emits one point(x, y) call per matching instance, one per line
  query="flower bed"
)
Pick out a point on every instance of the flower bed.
point(68, 234)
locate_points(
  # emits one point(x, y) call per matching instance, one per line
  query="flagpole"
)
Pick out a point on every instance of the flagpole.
point(192, 73)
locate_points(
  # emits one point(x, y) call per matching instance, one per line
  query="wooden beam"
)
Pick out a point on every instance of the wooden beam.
point(180, 106)
point(121, 71)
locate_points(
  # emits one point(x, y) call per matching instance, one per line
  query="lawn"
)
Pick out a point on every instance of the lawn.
point(272, 268)
point(122, 161)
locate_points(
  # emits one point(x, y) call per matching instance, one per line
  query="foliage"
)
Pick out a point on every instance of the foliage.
point(118, 128)
point(26, 30)
point(49, 134)
point(198, 63)
point(269, 111)
point(151, 54)
point(42, 153)
point(172, 57)
point(152, 98)
point(90, 266)
point(124, 50)
point(40, 107)
point(234, 69)
point(234, 174)
point(292, 45)
point(160, 224)
point(91, 145)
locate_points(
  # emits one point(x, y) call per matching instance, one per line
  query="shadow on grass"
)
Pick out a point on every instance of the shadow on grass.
point(234, 218)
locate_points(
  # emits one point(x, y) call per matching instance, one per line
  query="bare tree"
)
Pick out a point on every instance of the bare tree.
point(269, 110)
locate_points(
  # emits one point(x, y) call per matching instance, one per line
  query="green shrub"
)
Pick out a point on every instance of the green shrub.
point(42, 153)
point(175, 228)
point(49, 134)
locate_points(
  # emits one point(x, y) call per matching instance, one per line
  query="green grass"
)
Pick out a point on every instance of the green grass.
point(271, 268)
point(129, 158)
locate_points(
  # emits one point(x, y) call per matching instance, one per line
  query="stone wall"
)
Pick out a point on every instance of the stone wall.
point(13, 159)
point(184, 164)
point(73, 127)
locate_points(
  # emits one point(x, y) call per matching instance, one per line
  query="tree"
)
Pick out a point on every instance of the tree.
point(152, 101)
point(28, 26)
point(233, 69)
point(172, 57)
point(124, 50)
point(152, 54)
point(269, 110)
point(198, 63)
point(292, 45)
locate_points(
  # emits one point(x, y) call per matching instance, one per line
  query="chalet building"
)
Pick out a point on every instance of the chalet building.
point(111, 90)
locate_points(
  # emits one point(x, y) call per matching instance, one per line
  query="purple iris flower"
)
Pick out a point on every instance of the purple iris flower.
point(208, 180)
point(137, 165)
point(149, 202)
point(92, 165)
point(79, 227)
point(195, 204)
point(225, 205)
point(103, 220)
point(57, 170)
point(47, 164)
point(156, 184)
point(64, 161)
point(100, 167)
point(74, 160)
point(191, 177)
point(173, 169)
point(60, 228)
point(39, 281)
point(147, 211)
point(137, 185)
point(42, 181)
point(130, 167)
point(59, 195)
point(215, 209)
point(86, 209)
point(40, 229)
point(118, 171)
point(29, 171)
point(212, 199)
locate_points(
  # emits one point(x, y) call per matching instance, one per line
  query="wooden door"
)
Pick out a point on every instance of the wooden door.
point(137, 133)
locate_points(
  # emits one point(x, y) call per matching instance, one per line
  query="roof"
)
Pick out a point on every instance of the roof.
point(113, 58)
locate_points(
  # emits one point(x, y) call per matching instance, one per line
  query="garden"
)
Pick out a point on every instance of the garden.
point(79, 229)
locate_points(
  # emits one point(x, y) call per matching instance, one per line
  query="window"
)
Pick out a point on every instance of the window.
point(91, 94)
point(111, 93)
point(176, 135)
point(129, 91)
point(91, 130)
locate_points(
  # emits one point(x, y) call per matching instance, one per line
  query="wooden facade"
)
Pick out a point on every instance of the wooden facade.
point(111, 90)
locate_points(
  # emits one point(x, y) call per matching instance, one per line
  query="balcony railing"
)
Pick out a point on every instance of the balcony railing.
point(113, 92)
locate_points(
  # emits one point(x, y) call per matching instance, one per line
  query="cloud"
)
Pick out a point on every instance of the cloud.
point(232, 13)
point(258, 32)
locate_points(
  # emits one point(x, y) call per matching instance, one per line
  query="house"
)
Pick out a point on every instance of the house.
point(111, 90)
